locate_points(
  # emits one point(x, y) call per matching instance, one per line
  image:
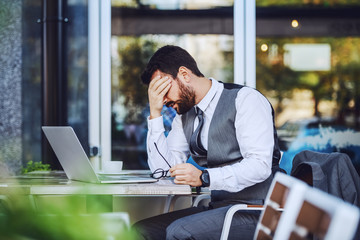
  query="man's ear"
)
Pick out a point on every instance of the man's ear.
point(184, 73)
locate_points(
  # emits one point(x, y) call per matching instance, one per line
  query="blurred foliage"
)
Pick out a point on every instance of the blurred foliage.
point(273, 77)
point(18, 220)
point(266, 3)
point(124, 3)
point(228, 69)
point(184, 4)
point(341, 84)
point(134, 54)
point(259, 3)
point(35, 166)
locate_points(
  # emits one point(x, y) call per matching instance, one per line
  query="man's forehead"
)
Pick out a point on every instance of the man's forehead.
point(158, 73)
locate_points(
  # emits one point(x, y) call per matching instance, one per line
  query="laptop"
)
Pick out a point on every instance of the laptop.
point(75, 162)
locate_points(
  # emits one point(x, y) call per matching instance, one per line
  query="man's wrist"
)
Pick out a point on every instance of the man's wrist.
point(153, 116)
point(155, 112)
point(205, 178)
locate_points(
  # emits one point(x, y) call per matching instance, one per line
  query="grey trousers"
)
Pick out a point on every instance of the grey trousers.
point(197, 223)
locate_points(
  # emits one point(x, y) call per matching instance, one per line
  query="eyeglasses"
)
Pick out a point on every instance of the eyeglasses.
point(160, 173)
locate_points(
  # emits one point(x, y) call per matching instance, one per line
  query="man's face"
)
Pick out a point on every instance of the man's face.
point(180, 97)
point(186, 99)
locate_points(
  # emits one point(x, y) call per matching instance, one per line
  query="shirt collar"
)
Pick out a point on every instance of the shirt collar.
point(204, 103)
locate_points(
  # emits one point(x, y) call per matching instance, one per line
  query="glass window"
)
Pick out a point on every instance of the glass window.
point(31, 82)
point(305, 3)
point(129, 56)
point(76, 60)
point(77, 69)
point(311, 75)
point(173, 4)
point(21, 99)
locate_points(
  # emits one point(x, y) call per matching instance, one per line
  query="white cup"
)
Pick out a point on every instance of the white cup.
point(112, 166)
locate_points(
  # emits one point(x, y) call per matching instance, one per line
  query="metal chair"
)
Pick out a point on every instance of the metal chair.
point(320, 216)
point(283, 190)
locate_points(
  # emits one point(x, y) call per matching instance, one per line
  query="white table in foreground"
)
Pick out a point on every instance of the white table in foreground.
point(162, 187)
point(37, 187)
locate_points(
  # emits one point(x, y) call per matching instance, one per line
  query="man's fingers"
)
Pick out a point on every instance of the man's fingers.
point(185, 180)
point(178, 172)
point(186, 173)
point(181, 172)
point(163, 89)
point(154, 81)
point(162, 84)
point(158, 83)
point(180, 181)
point(160, 90)
point(178, 169)
point(180, 166)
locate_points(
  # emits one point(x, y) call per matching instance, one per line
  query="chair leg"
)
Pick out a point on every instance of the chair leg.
point(228, 219)
point(200, 198)
point(229, 216)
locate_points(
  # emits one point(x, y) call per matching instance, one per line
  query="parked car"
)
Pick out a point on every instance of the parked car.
point(321, 135)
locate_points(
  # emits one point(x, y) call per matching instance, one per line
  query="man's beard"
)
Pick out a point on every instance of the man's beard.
point(187, 99)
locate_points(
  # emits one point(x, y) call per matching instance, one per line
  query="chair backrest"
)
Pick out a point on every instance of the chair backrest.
point(283, 191)
point(294, 210)
point(322, 216)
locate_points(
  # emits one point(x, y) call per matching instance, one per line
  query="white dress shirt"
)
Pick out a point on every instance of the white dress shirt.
point(254, 133)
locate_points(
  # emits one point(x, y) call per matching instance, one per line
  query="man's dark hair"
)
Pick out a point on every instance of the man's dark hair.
point(169, 59)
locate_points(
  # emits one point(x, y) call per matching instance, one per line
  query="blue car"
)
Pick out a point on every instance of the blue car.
point(321, 135)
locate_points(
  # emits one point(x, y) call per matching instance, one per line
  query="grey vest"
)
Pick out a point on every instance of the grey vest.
point(223, 147)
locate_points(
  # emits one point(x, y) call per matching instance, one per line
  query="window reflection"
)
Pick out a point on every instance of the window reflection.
point(302, 3)
point(315, 93)
point(321, 102)
point(173, 4)
point(130, 109)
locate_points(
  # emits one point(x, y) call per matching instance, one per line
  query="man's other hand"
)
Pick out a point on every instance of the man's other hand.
point(186, 173)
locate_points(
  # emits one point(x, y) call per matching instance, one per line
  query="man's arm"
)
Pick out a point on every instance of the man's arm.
point(254, 132)
point(174, 147)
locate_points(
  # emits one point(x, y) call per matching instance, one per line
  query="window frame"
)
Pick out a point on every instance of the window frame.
point(100, 69)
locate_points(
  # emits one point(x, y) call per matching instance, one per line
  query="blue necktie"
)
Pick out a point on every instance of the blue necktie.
point(195, 142)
